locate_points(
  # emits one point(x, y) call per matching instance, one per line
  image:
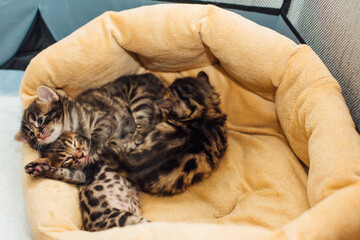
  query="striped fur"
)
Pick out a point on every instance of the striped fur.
point(125, 106)
point(184, 149)
point(106, 199)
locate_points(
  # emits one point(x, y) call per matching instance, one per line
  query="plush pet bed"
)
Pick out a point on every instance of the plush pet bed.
point(284, 108)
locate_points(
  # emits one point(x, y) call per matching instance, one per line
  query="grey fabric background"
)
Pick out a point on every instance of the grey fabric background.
point(332, 29)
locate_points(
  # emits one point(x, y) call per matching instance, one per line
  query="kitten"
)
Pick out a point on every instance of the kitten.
point(113, 110)
point(184, 149)
point(106, 199)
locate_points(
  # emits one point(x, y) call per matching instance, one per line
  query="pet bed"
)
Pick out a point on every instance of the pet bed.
point(285, 113)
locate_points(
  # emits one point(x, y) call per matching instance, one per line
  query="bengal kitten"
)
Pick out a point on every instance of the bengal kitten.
point(107, 200)
point(184, 149)
point(113, 110)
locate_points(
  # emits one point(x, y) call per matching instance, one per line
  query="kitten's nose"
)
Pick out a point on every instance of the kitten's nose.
point(79, 154)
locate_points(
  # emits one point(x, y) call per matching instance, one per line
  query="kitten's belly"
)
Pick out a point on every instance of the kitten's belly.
point(119, 193)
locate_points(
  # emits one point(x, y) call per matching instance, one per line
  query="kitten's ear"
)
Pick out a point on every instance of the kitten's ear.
point(203, 77)
point(20, 137)
point(165, 104)
point(47, 94)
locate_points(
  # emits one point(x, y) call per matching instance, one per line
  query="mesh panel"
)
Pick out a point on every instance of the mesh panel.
point(252, 3)
point(331, 28)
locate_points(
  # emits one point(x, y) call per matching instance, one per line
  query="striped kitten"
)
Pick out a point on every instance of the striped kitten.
point(107, 200)
point(184, 149)
point(113, 110)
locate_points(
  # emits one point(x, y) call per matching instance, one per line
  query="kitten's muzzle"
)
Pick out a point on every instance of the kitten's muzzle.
point(79, 154)
point(42, 136)
point(81, 157)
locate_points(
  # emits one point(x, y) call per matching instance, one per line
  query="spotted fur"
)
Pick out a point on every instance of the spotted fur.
point(107, 200)
point(184, 149)
point(125, 106)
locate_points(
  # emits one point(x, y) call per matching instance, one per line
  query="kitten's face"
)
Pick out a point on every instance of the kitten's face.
point(69, 151)
point(186, 98)
point(42, 121)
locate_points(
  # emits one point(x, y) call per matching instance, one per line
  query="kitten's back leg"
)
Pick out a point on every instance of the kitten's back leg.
point(114, 218)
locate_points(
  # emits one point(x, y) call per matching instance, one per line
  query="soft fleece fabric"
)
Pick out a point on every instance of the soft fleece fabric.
point(283, 107)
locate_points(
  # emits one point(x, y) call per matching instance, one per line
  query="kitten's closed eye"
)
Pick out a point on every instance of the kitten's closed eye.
point(67, 162)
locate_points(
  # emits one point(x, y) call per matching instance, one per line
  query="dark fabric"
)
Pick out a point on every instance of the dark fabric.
point(285, 7)
point(37, 39)
point(292, 28)
point(331, 29)
point(266, 10)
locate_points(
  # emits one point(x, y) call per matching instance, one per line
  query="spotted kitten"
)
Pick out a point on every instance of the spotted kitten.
point(107, 200)
point(113, 110)
point(184, 149)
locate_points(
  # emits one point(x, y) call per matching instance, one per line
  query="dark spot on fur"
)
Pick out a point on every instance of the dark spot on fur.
point(190, 165)
point(99, 188)
point(115, 214)
point(84, 207)
point(95, 215)
point(123, 218)
point(88, 193)
point(112, 225)
point(85, 221)
point(210, 159)
point(179, 183)
point(102, 176)
point(107, 180)
point(102, 225)
point(93, 202)
point(197, 178)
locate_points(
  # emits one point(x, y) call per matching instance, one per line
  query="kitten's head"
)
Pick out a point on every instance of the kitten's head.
point(70, 150)
point(42, 121)
point(190, 98)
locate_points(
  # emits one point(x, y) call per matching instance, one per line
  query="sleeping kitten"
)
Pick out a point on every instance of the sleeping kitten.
point(184, 149)
point(113, 110)
point(106, 199)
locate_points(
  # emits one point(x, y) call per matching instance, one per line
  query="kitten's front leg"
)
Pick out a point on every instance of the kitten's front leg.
point(41, 168)
point(143, 119)
point(99, 135)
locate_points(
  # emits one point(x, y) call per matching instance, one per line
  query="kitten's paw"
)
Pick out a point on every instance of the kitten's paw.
point(136, 140)
point(38, 169)
point(130, 146)
point(117, 145)
point(93, 157)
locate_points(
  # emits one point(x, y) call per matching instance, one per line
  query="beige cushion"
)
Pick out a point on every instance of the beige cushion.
point(283, 107)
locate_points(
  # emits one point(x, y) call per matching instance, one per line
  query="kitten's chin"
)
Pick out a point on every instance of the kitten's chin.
point(84, 161)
